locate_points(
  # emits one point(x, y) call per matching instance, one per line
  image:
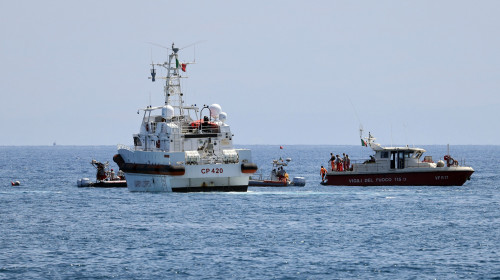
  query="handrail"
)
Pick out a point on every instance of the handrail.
point(123, 147)
point(187, 128)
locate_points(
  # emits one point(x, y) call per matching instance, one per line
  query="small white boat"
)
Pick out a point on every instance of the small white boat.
point(278, 178)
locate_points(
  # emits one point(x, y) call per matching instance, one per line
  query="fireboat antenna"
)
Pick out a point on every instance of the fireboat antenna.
point(357, 117)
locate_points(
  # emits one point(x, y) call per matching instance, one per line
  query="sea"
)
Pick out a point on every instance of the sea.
point(51, 229)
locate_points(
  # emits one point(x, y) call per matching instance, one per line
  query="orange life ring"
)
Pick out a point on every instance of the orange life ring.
point(200, 123)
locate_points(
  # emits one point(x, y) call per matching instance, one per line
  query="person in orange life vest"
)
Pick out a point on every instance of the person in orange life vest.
point(338, 162)
point(347, 163)
point(323, 173)
point(332, 161)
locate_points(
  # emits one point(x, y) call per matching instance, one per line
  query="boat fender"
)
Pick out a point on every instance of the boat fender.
point(249, 167)
point(177, 170)
point(158, 169)
point(119, 160)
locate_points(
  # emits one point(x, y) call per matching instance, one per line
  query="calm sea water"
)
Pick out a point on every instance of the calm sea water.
point(50, 229)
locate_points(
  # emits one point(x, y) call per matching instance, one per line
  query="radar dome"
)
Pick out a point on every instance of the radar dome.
point(215, 110)
point(167, 111)
point(222, 116)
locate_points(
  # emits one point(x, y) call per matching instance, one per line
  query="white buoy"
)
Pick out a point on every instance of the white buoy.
point(84, 182)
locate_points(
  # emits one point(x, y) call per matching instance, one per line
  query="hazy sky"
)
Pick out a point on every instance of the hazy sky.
point(286, 72)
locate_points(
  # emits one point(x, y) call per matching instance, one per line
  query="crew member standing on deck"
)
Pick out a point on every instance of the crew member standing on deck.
point(338, 162)
point(323, 173)
point(347, 163)
point(332, 161)
point(344, 161)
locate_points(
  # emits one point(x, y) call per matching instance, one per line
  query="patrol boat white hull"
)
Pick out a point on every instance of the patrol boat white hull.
point(165, 183)
point(154, 175)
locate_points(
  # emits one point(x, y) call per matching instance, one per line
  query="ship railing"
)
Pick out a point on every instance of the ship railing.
point(123, 147)
point(363, 165)
point(187, 128)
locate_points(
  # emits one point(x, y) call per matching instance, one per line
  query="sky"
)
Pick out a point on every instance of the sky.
point(285, 72)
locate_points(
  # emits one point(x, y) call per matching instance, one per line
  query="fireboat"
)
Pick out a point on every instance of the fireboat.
point(183, 148)
point(400, 166)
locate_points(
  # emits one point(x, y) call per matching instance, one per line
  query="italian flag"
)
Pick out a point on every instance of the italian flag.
point(363, 143)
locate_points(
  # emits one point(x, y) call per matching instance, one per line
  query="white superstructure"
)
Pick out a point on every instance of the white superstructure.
point(183, 148)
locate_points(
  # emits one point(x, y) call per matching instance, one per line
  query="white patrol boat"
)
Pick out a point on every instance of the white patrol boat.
point(183, 148)
point(400, 166)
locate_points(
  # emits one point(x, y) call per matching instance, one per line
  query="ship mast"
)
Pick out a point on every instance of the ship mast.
point(173, 94)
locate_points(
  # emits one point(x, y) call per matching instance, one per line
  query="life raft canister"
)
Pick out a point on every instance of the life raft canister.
point(249, 168)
